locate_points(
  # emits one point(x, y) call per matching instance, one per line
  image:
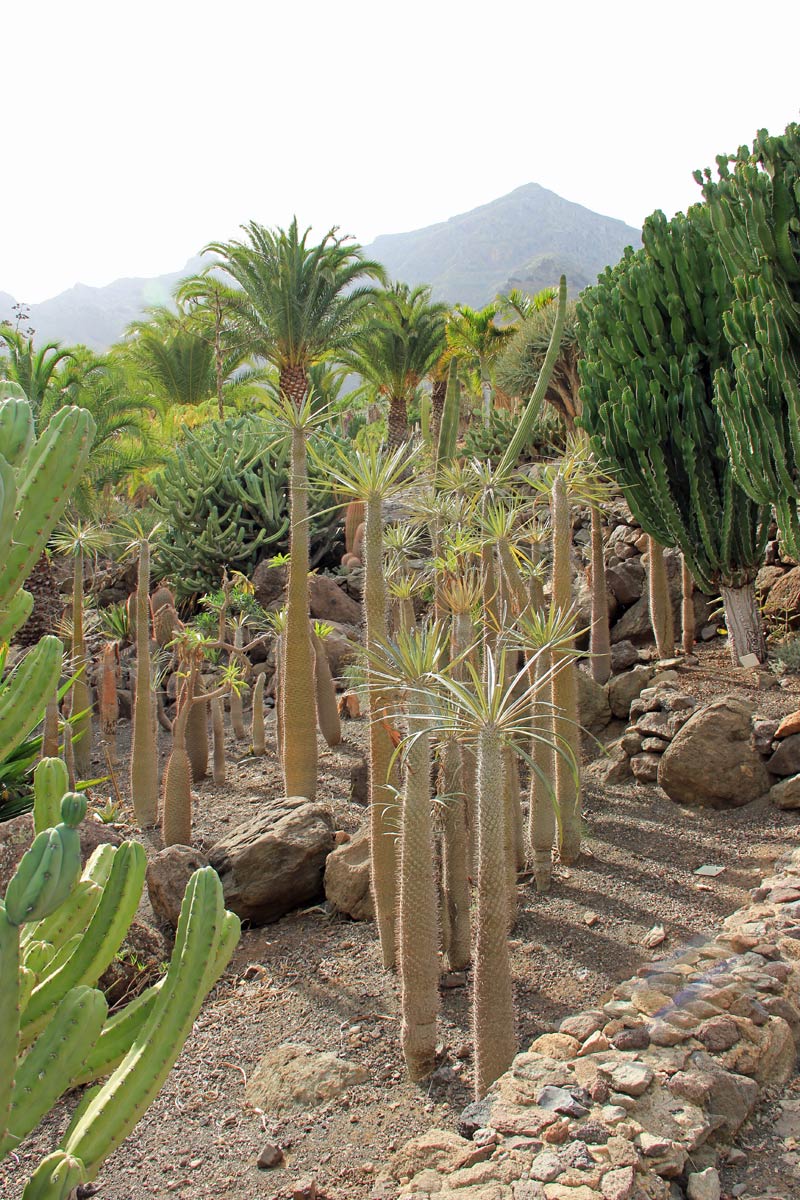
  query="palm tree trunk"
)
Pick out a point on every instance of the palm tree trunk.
point(437, 408)
point(486, 397)
point(397, 431)
point(297, 685)
point(418, 937)
point(493, 1012)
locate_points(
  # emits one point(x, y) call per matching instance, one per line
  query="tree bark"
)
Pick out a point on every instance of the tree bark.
point(743, 621)
point(397, 423)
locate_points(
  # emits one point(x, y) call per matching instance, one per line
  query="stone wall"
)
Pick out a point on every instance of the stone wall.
point(639, 1097)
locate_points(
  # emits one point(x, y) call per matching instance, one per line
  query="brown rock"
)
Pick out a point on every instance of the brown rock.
point(167, 876)
point(583, 1025)
point(275, 861)
point(784, 595)
point(623, 689)
point(559, 1046)
point(645, 767)
point(718, 1034)
point(269, 585)
point(593, 705)
point(137, 964)
point(347, 878)
point(626, 581)
point(788, 725)
point(786, 759)
point(711, 761)
point(329, 602)
point(618, 1184)
point(295, 1076)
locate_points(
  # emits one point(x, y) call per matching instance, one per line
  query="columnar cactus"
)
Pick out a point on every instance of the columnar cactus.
point(660, 600)
point(653, 341)
point(144, 748)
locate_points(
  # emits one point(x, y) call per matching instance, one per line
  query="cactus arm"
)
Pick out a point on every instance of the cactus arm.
point(47, 872)
point(56, 1178)
point(9, 1013)
point(102, 940)
point(14, 614)
point(119, 1104)
point(16, 425)
point(53, 1062)
point(117, 1036)
point(50, 782)
point(26, 691)
point(525, 424)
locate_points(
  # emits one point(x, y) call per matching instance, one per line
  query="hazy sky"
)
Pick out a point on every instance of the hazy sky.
point(135, 132)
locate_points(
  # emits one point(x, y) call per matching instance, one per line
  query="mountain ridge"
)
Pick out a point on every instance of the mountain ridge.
point(525, 239)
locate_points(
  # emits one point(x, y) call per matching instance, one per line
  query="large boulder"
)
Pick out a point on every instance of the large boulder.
point(626, 581)
point(593, 706)
point(711, 761)
point(167, 876)
point(269, 585)
point(347, 878)
point(625, 688)
point(275, 861)
point(784, 595)
point(328, 601)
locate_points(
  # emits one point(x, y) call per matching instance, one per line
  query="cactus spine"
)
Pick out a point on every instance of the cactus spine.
point(144, 749)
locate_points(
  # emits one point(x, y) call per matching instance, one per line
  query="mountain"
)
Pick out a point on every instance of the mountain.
point(526, 239)
point(97, 316)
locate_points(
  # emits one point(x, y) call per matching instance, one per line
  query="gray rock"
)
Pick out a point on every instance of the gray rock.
point(654, 723)
point(593, 705)
point(275, 861)
point(623, 655)
point(786, 759)
point(167, 876)
point(764, 734)
point(786, 794)
point(474, 1117)
point(560, 1100)
point(295, 1076)
point(626, 581)
point(347, 878)
point(624, 689)
point(631, 741)
point(546, 1167)
point(631, 1078)
point(711, 761)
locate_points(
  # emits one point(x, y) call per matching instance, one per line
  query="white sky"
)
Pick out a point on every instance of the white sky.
point(135, 132)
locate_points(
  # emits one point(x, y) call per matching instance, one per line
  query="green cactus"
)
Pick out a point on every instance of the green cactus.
point(54, 1026)
point(653, 341)
point(754, 207)
point(448, 426)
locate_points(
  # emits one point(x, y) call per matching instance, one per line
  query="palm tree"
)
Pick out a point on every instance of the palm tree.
point(297, 305)
point(476, 341)
point(210, 303)
point(397, 347)
point(35, 370)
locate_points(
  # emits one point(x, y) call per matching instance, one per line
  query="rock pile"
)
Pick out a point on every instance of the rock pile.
point(639, 1097)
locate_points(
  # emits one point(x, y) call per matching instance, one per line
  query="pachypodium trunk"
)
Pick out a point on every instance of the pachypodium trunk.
point(176, 816)
point(81, 694)
point(513, 829)
point(660, 600)
point(218, 731)
point(382, 793)
point(418, 937)
point(566, 728)
point(327, 708)
point(258, 731)
point(600, 637)
point(237, 708)
point(743, 621)
point(278, 685)
point(50, 738)
point(687, 608)
point(493, 1006)
point(144, 751)
point(455, 851)
point(109, 702)
point(196, 731)
point(542, 813)
point(297, 683)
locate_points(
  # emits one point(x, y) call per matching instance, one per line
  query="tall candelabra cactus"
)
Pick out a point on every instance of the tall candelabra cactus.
point(652, 335)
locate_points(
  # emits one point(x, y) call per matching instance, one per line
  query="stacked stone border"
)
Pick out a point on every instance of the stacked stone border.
point(640, 1097)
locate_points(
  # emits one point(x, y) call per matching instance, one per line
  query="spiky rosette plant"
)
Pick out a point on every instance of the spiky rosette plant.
point(652, 336)
point(374, 474)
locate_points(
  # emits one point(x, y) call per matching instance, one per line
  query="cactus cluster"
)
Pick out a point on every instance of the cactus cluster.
point(59, 930)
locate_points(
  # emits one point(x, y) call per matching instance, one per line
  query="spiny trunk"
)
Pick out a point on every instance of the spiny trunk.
point(196, 732)
point(462, 637)
point(493, 1012)
point(565, 687)
point(383, 804)
point(418, 939)
point(687, 608)
point(455, 874)
point(327, 709)
point(542, 815)
point(743, 622)
point(144, 752)
point(600, 638)
point(297, 684)
point(218, 731)
point(437, 408)
point(512, 830)
point(81, 695)
point(176, 814)
point(660, 600)
point(50, 738)
point(258, 732)
point(109, 703)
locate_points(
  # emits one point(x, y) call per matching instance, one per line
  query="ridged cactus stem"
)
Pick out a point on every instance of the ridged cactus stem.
point(81, 695)
point(327, 708)
point(9, 1014)
point(144, 750)
point(493, 1005)
point(298, 690)
point(383, 803)
point(69, 753)
point(50, 738)
point(418, 935)
point(687, 608)
point(565, 686)
point(218, 730)
point(237, 707)
point(258, 731)
point(600, 637)
point(660, 601)
point(463, 634)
